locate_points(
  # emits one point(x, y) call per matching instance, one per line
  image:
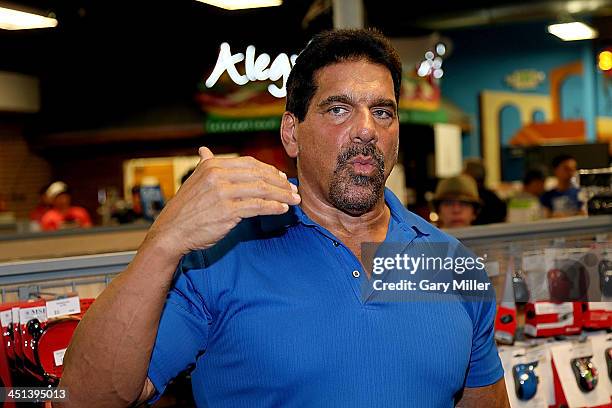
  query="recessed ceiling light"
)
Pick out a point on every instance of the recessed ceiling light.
point(572, 31)
point(242, 4)
point(20, 20)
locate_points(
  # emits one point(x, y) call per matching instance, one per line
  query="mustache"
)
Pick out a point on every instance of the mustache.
point(367, 150)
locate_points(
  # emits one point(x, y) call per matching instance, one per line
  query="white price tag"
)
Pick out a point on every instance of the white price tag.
point(6, 317)
point(15, 313)
point(58, 356)
point(28, 313)
point(62, 307)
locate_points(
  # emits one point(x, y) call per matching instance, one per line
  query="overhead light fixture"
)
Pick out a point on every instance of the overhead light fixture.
point(242, 4)
point(572, 31)
point(20, 20)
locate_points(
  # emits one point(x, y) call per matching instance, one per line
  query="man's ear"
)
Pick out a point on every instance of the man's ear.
point(289, 134)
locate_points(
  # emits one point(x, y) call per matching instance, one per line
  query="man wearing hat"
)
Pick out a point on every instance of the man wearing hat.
point(63, 214)
point(457, 202)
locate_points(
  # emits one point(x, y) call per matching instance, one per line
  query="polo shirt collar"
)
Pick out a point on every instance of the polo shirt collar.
point(405, 229)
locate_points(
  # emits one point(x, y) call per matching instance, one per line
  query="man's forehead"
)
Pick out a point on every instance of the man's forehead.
point(373, 81)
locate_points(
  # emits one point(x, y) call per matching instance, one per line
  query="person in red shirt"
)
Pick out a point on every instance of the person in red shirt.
point(63, 214)
point(44, 205)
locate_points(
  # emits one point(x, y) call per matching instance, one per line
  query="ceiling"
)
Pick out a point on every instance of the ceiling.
point(108, 56)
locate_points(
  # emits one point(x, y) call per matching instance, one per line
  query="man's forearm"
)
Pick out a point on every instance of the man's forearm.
point(492, 396)
point(108, 358)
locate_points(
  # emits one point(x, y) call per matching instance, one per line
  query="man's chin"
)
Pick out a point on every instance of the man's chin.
point(358, 201)
point(356, 194)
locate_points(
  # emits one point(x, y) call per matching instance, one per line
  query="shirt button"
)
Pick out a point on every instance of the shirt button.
point(336, 243)
point(356, 274)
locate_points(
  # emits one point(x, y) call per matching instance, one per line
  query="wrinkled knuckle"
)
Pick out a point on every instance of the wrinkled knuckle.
point(260, 203)
point(213, 175)
point(261, 185)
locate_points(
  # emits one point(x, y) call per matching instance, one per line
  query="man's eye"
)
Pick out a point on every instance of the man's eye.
point(337, 110)
point(383, 114)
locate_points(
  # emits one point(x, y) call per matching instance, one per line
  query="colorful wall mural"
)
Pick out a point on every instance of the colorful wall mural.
point(525, 87)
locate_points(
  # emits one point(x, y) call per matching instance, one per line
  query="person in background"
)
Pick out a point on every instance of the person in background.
point(493, 208)
point(44, 205)
point(127, 213)
point(456, 201)
point(563, 201)
point(63, 214)
point(525, 206)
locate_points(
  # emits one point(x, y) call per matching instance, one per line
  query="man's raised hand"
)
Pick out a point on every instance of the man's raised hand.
point(213, 200)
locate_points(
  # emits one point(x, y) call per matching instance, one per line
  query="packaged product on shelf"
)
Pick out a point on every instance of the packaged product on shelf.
point(36, 335)
point(597, 315)
point(505, 319)
point(528, 376)
point(545, 319)
point(602, 358)
point(579, 375)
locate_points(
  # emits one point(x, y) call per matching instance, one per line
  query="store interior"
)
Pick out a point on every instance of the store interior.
point(505, 143)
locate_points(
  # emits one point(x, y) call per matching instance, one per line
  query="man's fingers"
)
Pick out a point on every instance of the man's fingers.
point(245, 162)
point(205, 154)
point(239, 175)
point(253, 207)
point(260, 189)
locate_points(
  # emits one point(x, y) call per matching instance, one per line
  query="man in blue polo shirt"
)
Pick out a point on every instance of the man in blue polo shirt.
point(272, 303)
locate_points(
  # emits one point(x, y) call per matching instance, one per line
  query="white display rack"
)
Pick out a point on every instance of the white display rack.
point(25, 277)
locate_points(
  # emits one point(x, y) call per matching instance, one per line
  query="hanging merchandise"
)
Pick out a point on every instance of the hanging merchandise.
point(602, 359)
point(528, 376)
point(505, 319)
point(579, 375)
point(36, 335)
point(5, 375)
point(585, 372)
point(525, 380)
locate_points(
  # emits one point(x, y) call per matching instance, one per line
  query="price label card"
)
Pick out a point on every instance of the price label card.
point(58, 357)
point(62, 307)
point(6, 317)
point(15, 313)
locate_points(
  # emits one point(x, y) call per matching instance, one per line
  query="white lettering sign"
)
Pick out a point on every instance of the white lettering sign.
point(256, 69)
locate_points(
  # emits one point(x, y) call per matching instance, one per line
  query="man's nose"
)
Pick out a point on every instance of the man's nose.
point(365, 127)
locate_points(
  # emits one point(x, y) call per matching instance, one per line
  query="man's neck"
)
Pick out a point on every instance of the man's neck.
point(368, 226)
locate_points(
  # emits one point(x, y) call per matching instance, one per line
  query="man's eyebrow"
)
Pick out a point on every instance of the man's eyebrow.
point(334, 99)
point(389, 103)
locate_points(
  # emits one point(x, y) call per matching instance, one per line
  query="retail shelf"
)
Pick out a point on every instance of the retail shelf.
point(516, 232)
point(32, 271)
point(15, 273)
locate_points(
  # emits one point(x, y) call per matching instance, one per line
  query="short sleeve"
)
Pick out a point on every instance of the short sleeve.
point(546, 200)
point(485, 365)
point(182, 335)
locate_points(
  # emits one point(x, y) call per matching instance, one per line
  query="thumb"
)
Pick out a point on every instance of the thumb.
point(205, 154)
